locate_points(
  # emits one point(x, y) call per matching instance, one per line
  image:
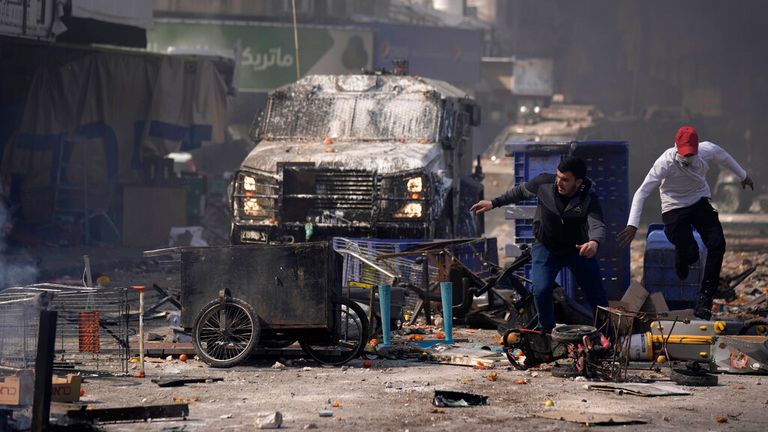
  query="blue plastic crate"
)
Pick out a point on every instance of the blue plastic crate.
point(607, 163)
point(659, 273)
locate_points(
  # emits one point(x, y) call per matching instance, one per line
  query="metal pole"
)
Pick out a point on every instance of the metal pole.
point(385, 304)
point(41, 404)
point(140, 373)
point(425, 289)
point(296, 40)
point(88, 275)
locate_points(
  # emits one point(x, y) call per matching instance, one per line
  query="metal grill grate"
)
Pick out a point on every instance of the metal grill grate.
point(324, 195)
point(19, 322)
point(92, 330)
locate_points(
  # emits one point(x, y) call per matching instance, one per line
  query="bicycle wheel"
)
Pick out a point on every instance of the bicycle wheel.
point(347, 339)
point(225, 332)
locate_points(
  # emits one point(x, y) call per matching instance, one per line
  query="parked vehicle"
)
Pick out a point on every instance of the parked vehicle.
point(387, 156)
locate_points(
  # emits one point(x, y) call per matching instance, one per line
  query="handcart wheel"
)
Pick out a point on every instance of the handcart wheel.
point(225, 332)
point(573, 333)
point(346, 341)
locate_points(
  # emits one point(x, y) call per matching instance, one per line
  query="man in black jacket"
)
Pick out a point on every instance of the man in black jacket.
point(568, 227)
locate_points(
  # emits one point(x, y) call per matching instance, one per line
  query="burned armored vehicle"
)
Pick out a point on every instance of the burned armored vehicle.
point(386, 156)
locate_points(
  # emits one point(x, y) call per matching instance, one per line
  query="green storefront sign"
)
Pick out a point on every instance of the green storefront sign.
point(268, 57)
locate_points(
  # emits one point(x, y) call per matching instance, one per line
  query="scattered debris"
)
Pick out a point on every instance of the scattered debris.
point(178, 382)
point(640, 389)
point(225, 416)
point(721, 419)
point(270, 421)
point(453, 399)
point(587, 418)
point(326, 413)
point(278, 365)
point(464, 356)
point(179, 399)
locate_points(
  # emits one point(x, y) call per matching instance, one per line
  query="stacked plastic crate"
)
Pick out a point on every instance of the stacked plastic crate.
point(607, 166)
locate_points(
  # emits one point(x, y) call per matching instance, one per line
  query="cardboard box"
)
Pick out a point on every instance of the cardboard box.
point(66, 389)
point(10, 390)
point(18, 389)
point(657, 302)
point(634, 297)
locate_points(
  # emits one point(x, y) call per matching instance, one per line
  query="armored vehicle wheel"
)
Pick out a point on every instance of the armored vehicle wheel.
point(572, 333)
point(225, 332)
point(346, 341)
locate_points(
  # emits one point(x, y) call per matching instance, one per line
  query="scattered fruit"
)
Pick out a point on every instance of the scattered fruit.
point(183, 357)
point(82, 392)
point(549, 403)
point(521, 381)
point(440, 335)
point(367, 364)
point(481, 366)
point(373, 342)
point(493, 376)
point(721, 419)
point(336, 404)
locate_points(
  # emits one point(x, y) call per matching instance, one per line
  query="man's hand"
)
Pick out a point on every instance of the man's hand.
point(588, 249)
point(747, 182)
point(625, 237)
point(481, 207)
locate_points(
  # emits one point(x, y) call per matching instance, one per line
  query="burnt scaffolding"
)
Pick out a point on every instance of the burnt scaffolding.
point(93, 329)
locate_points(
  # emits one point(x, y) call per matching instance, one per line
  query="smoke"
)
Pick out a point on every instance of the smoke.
point(17, 266)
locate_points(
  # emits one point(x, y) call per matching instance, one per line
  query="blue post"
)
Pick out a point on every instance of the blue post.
point(385, 304)
point(446, 296)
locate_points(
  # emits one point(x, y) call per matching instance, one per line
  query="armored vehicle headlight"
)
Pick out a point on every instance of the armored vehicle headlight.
point(251, 207)
point(410, 211)
point(249, 183)
point(415, 184)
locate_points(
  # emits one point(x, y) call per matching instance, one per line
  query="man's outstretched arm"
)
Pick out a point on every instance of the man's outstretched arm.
point(651, 182)
point(527, 190)
point(725, 160)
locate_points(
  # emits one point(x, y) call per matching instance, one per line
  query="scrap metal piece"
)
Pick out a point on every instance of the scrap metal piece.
point(129, 414)
point(589, 418)
point(178, 382)
point(454, 399)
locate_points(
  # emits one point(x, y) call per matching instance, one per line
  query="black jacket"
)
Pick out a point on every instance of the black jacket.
point(580, 221)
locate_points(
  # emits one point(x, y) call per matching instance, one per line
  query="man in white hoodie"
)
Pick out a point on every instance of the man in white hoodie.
point(680, 174)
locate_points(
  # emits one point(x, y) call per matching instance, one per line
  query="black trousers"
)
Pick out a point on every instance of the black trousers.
point(677, 227)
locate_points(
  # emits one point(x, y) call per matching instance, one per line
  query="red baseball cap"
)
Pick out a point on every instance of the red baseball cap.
point(687, 141)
